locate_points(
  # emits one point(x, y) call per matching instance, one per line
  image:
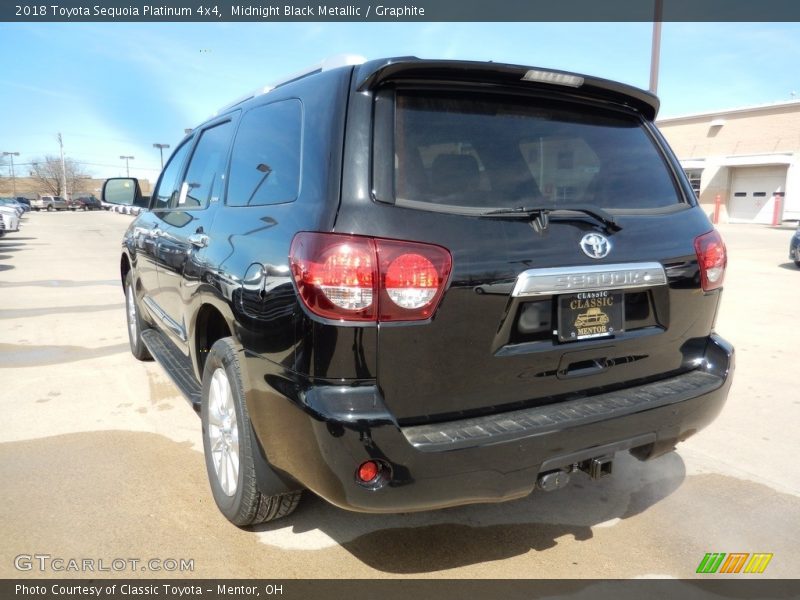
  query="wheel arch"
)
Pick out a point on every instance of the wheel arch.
point(209, 324)
point(124, 268)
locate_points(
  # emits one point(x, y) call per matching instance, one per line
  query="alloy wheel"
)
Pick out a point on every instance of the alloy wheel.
point(133, 327)
point(223, 432)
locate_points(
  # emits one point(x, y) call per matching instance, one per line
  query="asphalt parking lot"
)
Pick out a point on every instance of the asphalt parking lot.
point(101, 458)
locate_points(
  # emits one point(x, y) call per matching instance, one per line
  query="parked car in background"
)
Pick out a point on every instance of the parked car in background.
point(25, 202)
point(9, 219)
point(85, 202)
point(50, 203)
point(11, 202)
point(308, 273)
point(794, 247)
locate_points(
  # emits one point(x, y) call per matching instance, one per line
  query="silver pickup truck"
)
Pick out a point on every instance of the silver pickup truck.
point(49, 203)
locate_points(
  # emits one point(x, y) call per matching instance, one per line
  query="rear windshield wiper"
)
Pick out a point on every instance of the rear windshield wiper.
point(542, 212)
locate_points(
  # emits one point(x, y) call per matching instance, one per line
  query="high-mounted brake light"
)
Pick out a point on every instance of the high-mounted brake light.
point(355, 278)
point(575, 81)
point(712, 258)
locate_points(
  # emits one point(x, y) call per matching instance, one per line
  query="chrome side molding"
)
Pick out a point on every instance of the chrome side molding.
point(560, 280)
point(158, 313)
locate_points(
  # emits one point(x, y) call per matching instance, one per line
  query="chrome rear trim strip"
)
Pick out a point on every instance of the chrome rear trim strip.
point(587, 278)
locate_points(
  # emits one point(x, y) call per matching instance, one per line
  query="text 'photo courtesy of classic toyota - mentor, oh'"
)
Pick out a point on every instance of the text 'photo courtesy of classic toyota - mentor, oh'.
point(409, 284)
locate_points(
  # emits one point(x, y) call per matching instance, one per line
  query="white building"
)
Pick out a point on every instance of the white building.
point(749, 157)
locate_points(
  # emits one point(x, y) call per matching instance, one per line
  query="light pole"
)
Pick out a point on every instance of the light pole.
point(127, 166)
point(655, 52)
point(13, 177)
point(161, 148)
point(63, 169)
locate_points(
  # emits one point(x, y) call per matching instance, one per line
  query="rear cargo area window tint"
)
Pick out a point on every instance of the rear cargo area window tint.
point(495, 152)
point(265, 163)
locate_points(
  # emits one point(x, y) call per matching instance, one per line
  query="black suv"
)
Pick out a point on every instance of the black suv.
point(409, 284)
point(85, 202)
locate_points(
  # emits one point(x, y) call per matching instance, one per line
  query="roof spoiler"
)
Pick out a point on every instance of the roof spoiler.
point(374, 73)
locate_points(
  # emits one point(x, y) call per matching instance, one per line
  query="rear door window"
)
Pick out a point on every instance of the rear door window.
point(481, 152)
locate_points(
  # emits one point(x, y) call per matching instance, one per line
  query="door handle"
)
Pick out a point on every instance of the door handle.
point(198, 240)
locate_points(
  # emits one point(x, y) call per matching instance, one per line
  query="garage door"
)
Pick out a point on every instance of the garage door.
point(752, 192)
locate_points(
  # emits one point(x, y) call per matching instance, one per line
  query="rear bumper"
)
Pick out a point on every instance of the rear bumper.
point(321, 435)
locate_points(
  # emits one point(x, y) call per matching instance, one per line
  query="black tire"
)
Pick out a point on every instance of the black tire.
point(245, 504)
point(135, 323)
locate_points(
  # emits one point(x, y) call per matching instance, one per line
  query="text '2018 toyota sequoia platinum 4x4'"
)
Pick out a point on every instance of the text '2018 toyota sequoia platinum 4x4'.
point(408, 284)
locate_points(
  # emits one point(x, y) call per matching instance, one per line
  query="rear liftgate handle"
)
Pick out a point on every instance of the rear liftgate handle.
point(583, 368)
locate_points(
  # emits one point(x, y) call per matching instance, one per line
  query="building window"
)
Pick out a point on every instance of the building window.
point(694, 176)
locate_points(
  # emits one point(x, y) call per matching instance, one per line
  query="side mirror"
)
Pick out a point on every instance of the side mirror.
point(124, 191)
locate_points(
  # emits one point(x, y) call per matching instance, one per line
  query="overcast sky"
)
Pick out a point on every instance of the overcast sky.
point(114, 89)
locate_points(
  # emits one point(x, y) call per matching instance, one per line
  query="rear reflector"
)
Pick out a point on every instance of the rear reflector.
point(712, 258)
point(368, 472)
point(355, 278)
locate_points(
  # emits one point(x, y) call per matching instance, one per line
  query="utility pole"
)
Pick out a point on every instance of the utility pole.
point(161, 152)
point(127, 166)
point(13, 176)
point(655, 53)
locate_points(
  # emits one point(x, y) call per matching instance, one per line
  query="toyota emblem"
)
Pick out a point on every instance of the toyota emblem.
point(595, 245)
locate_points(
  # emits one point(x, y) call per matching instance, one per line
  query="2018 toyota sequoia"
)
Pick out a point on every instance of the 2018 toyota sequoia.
point(408, 284)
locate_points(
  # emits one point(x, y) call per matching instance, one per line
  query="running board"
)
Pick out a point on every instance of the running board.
point(175, 363)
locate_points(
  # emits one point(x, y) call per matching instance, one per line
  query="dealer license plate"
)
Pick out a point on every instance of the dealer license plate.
point(590, 315)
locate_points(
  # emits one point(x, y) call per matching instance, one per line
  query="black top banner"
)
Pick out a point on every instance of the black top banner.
point(394, 11)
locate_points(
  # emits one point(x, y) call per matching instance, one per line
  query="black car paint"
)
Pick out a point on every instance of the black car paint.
point(324, 396)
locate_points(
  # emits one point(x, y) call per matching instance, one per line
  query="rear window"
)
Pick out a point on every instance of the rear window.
point(491, 151)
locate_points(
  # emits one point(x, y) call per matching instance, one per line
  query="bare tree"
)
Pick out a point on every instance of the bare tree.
point(47, 173)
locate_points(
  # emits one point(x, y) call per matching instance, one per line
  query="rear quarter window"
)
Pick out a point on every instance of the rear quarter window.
point(490, 151)
point(266, 157)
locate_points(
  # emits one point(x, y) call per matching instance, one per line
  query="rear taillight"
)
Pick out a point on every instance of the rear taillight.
point(712, 259)
point(356, 278)
point(335, 275)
